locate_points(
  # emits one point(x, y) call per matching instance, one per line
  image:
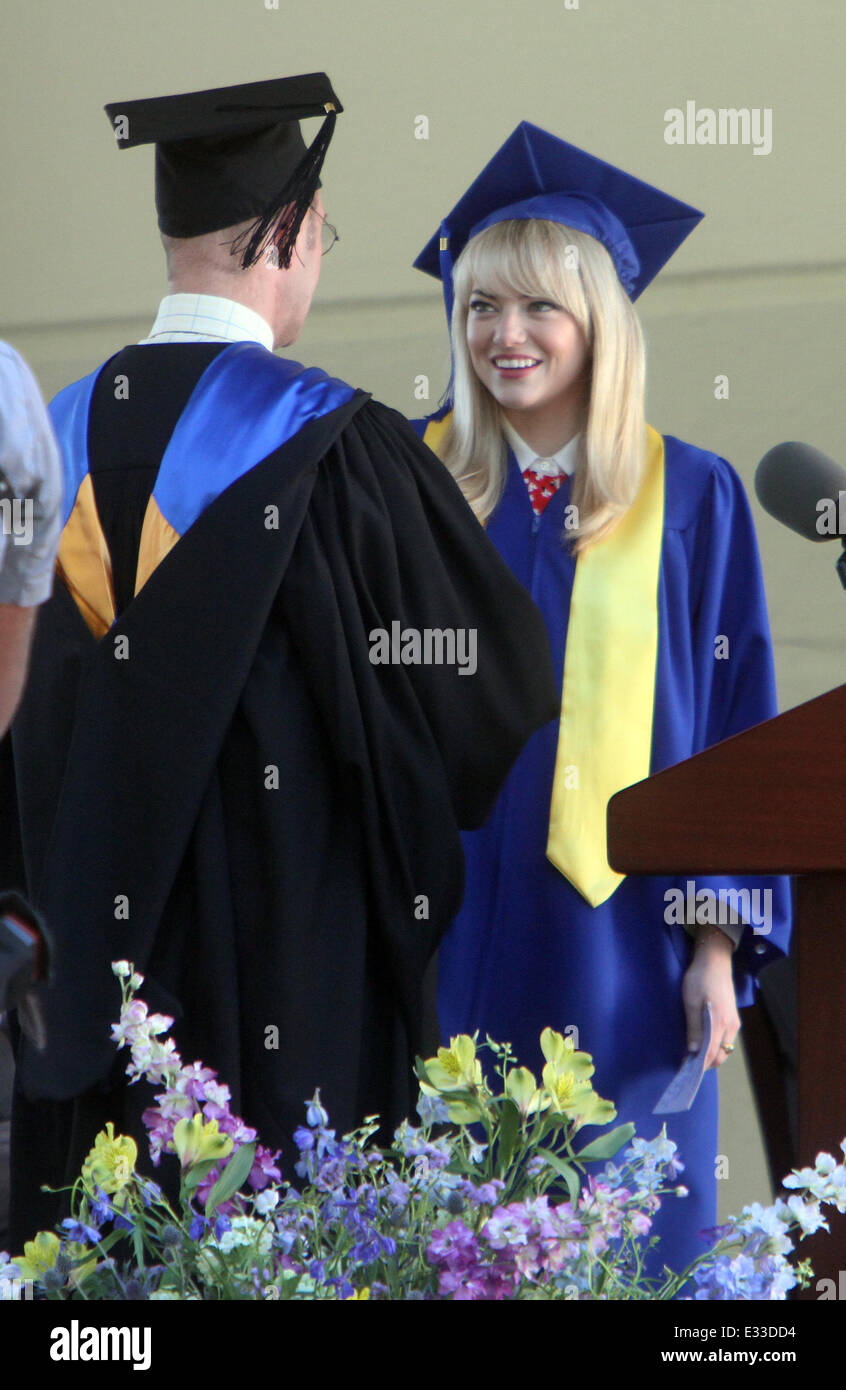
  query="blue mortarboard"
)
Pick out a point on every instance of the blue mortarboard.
point(534, 174)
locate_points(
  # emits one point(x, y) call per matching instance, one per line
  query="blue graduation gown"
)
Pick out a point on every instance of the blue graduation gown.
point(526, 950)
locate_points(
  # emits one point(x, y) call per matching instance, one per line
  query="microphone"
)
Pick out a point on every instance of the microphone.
point(806, 490)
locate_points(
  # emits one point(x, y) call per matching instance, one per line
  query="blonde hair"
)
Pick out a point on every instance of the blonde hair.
point(550, 261)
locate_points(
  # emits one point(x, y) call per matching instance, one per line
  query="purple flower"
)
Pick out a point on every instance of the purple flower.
point(640, 1223)
point(232, 1125)
point(486, 1194)
point(454, 1245)
point(265, 1169)
point(399, 1192)
point(194, 1079)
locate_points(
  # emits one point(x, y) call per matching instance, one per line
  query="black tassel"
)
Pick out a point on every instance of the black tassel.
point(295, 197)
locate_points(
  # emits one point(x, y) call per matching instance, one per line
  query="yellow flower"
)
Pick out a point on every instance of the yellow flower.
point(110, 1165)
point(522, 1088)
point(571, 1096)
point(197, 1141)
point(455, 1068)
point(39, 1255)
point(562, 1056)
point(359, 1295)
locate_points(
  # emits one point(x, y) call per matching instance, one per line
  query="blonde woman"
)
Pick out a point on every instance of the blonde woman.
point(640, 552)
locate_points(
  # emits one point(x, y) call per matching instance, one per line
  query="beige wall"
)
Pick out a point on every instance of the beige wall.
point(757, 293)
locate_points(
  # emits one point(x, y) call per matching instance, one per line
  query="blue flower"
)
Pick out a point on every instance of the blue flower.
point(197, 1227)
point(304, 1139)
point(150, 1192)
point(101, 1208)
point(432, 1110)
point(316, 1116)
point(77, 1231)
point(399, 1192)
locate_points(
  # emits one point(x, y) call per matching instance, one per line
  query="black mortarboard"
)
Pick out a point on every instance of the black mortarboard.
point(537, 175)
point(232, 153)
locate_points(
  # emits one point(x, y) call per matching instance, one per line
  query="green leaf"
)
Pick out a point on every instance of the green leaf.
point(509, 1126)
point(197, 1172)
point(420, 1069)
point(234, 1174)
point(607, 1144)
point(564, 1170)
point(461, 1096)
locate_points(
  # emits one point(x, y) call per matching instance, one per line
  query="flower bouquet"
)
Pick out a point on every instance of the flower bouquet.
point(489, 1198)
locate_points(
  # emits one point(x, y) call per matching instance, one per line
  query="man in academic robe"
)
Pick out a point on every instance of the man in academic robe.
point(213, 777)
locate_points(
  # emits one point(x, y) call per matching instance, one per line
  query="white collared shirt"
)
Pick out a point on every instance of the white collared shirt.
point(564, 461)
point(207, 318)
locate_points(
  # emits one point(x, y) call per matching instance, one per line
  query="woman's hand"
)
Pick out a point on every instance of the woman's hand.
point(708, 979)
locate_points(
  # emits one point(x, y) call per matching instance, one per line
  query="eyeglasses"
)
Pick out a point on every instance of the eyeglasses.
point(328, 237)
point(328, 233)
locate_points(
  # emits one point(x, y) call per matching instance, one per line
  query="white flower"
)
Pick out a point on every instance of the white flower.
point(245, 1231)
point(121, 968)
point(266, 1201)
point(807, 1214)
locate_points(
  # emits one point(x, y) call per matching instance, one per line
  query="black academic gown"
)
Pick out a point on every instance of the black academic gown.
point(285, 920)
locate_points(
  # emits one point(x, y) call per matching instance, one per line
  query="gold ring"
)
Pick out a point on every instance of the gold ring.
point(727, 1047)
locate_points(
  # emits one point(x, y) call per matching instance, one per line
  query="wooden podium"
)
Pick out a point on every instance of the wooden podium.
point(771, 800)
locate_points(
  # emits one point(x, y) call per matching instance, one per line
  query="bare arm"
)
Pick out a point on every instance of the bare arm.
point(16, 629)
point(709, 977)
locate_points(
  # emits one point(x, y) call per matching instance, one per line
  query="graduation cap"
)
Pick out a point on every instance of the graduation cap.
point(233, 153)
point(536, 175)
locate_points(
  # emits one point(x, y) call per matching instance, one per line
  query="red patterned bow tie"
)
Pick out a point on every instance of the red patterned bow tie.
point(542, 486)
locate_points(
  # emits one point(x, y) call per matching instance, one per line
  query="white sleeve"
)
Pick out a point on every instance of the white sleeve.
point(30, 486)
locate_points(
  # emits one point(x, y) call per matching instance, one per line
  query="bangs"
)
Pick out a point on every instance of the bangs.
point(532, 257)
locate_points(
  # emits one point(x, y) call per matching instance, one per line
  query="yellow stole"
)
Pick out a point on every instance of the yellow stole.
point(608, 694)
point(86, 566)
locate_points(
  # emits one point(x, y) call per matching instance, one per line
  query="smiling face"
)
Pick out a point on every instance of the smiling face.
point(533, 358)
